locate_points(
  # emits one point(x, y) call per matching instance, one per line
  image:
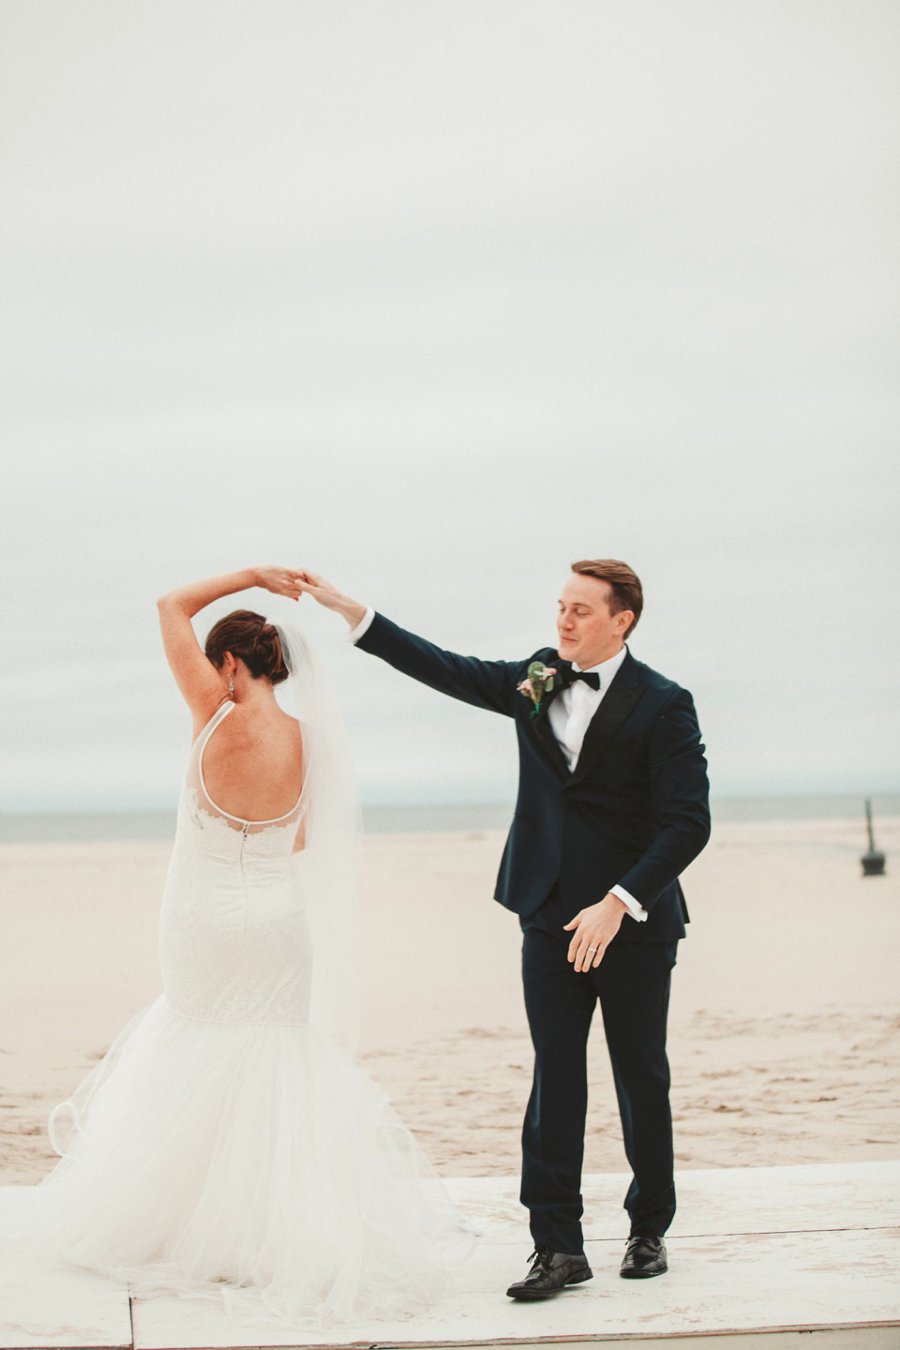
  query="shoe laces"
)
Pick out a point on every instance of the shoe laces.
point(542, 1252)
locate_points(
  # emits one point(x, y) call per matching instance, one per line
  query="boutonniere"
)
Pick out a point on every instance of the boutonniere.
point(540, 681)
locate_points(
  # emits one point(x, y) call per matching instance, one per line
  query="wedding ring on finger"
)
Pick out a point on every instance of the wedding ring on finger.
point(593, 949)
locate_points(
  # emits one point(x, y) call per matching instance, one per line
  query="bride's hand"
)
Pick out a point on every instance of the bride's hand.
point(281, 581)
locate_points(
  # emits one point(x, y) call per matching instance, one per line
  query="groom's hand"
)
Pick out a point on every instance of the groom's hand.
point(280, 581)
point(330, 597)
point(595, 928)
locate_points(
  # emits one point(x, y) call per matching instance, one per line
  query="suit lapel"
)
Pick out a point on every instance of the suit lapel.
point(540, 725)
point(618, 701)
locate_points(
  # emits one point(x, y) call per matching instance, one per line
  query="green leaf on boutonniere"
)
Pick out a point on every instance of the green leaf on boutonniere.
point(540, 681)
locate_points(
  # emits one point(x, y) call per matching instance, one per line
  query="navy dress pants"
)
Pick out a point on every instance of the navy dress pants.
point(632, 986)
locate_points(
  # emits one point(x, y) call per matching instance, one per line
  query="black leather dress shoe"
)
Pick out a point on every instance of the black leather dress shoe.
point(550, 1272)
point(644, 1256)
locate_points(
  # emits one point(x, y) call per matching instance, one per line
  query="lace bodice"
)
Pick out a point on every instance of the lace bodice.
point(234, 941)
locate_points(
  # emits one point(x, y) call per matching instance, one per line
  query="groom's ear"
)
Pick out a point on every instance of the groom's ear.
point(624, 619)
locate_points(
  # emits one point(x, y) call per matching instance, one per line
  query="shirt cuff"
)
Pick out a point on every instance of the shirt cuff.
point(363, 626)
point(634, 907)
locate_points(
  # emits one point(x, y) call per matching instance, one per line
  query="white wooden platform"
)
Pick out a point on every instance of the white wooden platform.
point(802, 1257)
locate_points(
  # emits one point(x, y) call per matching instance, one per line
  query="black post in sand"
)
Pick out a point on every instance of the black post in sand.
point(873, 860)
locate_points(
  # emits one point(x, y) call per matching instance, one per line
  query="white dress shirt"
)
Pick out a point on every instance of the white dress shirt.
point(570, 712)
point(363, 626)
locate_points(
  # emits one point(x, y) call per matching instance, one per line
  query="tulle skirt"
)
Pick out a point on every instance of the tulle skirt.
point(255, 1164)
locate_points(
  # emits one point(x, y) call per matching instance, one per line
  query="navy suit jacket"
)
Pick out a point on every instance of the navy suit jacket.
point(634, 813)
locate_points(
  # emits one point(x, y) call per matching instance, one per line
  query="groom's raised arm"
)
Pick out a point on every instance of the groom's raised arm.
point(484, 684)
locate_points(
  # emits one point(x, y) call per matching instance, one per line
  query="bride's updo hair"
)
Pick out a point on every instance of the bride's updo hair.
point(247, 635)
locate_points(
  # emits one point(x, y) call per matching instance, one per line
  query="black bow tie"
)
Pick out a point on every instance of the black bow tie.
point(568, 676)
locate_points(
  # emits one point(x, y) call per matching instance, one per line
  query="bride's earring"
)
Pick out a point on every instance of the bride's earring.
point(230, 684)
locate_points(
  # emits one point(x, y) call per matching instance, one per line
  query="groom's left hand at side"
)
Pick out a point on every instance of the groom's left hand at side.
point(595, 927)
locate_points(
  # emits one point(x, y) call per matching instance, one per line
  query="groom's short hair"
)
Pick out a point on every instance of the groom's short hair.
point(624, 583)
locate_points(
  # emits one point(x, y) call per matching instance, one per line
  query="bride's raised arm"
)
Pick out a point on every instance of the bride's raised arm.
point(202, 685)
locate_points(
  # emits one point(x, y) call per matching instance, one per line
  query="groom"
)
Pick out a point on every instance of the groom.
point(612, 807)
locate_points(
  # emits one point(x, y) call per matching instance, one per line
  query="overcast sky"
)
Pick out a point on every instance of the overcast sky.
point(436, 298)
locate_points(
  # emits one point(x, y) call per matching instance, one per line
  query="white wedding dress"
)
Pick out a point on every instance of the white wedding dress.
point(225, 1146)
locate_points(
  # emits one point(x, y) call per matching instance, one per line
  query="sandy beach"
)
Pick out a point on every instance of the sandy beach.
point(784, 1029)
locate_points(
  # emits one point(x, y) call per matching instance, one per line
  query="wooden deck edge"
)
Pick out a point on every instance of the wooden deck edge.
point(866, 1335)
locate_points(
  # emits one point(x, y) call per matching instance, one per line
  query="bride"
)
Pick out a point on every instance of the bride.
point(227, 1145)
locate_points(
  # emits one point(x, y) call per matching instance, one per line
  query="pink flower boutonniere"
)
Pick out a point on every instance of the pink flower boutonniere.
point(540, 681)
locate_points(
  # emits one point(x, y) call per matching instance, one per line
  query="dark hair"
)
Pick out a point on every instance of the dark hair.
point(624, 585)
point(248, 636)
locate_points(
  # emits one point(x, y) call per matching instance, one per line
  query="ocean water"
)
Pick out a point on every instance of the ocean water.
point(96, 826)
